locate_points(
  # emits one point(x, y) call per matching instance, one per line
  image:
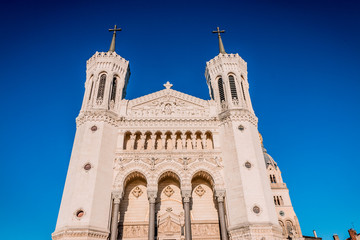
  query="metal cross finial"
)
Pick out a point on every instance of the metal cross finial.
point(112, 45)
point(115, 29)
point(221, 46)
point(218, 31)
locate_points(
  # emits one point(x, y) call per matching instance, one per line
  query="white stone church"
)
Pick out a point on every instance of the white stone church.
point(171, 166)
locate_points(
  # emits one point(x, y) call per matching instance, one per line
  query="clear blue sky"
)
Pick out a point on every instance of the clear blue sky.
point(303, 62)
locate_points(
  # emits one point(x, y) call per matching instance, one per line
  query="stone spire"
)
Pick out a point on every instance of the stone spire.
point(112, 45)
point(221, 45)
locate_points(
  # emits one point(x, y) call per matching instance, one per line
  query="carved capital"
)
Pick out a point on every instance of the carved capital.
point(220, 195)
point(186, 194)
point(117, 196)
point(152, 196)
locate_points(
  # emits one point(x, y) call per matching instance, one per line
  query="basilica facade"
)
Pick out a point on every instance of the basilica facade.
point(169, 165)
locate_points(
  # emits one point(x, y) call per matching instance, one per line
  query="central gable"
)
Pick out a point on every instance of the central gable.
point(168, 103)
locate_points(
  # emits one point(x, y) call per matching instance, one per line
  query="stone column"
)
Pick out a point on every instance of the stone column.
point(173, 140)
point(141, 143)
point(163, 141)
point(132, 141)
point(220, 199)
point(186, 194)
point(183, 140)
point(152, 198)
point(203, 140)
point(193, 141)
point(153, 141)
point(115, 216)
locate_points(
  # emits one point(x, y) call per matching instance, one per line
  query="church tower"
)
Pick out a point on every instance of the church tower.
point(250, 210)
point(85, 205)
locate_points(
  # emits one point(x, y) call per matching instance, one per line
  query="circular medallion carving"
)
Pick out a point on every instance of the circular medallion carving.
point(93, 128)
point(282, 213)
point(256, 209)
point(87, 166)
point(248, 165)
point(79, 213)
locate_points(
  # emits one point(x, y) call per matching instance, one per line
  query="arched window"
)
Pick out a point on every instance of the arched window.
point(211, 92)
point(92, 85)
point(101, 90)
point(274, 179)
point(233, 87)
point(113, 90)
point(289, 226)
point(221, 90)
point(242, 87)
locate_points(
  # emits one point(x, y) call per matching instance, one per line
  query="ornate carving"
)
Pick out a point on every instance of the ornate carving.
point(205, 229)
point(135, 231)
point(137, 192)
point(168, 103)
point(168, 191)
point(200, 191)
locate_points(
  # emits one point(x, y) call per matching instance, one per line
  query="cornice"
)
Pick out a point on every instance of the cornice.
point(79, 232)
point(97, 116)
point(238, 115)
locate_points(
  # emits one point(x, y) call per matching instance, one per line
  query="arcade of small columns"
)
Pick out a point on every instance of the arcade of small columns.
point(168, 141)
point(154, 199)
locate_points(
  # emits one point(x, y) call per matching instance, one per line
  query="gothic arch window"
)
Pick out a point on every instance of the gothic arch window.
point(272, 178)
point(101, 89)
point(233, 87)
point(281, 201)
point(211, 91)
point(92, 85)
point(242, 87)
point(221, 90)
point(113, 89)
point(289, 227)
point(283, 227)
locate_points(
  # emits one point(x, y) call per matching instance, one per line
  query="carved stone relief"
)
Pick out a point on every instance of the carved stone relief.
point(168, 191)
point(135, 231)
point(207, 229)
point(169, 106)
point(200, 191)
point(137, 192)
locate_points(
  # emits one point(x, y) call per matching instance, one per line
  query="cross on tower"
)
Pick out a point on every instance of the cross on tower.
point(218, 31)
point(112, 45)
point(221, 46)
point(117, 29)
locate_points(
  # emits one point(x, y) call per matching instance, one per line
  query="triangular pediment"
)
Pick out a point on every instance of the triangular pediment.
point(168, 103)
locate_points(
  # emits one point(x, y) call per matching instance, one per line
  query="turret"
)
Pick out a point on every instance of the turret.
point(226, 76)
point(107, 76)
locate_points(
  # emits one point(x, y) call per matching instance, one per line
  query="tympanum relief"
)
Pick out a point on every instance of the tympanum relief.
point(168, 106)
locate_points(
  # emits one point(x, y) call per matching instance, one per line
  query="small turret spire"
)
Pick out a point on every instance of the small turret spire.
point(221, 45)
point(112, 45)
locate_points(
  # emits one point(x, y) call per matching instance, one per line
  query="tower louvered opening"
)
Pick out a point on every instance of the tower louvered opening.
point(101, 90)
point(221, 90)
point(233, 87)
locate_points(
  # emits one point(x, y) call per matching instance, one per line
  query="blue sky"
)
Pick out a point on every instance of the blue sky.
point(303, 61)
